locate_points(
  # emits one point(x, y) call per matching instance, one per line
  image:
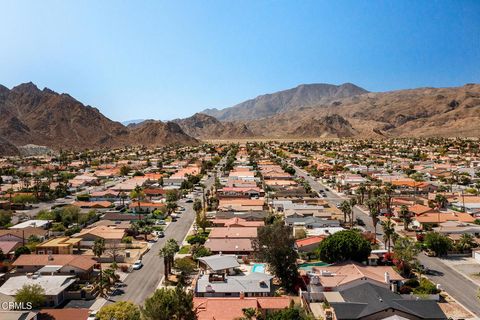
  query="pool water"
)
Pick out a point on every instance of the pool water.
point(309, 266)
point(258, 267)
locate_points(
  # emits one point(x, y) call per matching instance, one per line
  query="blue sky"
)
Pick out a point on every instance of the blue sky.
point(168, 59)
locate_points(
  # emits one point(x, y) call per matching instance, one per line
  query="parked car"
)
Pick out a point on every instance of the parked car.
point(360, 222)
point(92, 315)
point(159, 234)
point(137, 265)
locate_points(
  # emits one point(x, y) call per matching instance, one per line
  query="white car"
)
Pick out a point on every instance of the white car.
point(92, 315)
point(137, 265)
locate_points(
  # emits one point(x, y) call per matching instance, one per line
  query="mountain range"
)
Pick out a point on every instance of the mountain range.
point(43, 117)
point(29, 115)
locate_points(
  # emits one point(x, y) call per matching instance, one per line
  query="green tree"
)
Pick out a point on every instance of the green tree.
point(405, 215)
point(31, 293)
point(441, 200)
point(186, 266)
point(121, 310)
point(438, 243)
point(5, 218)
point(291, 313)
point(125, 170)
point(466, 242)
point(198, 251)
point(138, 195)
point(388, 231)
point(373, 205)
point(406, 252)
point(168, 304)
point(168, 253)
point(98, 247)
point(275, 245)
point(197, 205)
point(344, 245)
point(346, 209)
point(22, 250)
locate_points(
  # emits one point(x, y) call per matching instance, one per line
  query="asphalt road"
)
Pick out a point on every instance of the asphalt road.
point(140, 284)
point(336, 199)
point(459, 287)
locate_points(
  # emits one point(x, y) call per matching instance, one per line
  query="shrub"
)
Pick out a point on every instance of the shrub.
point(127, 239)
point(405, 289)
point(196, 239)
point(426, 287)
point(412, 283)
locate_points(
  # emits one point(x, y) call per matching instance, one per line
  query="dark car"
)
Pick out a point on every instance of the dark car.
point(360, 222)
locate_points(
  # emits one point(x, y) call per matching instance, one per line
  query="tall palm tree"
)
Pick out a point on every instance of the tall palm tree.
point(404, 214)
point(138, 195)
point(353, 203)
point(466, 242)
point(362, 189)
point(168, 253)
point(346, 209)
point(441, 200)
point(373, 205)
point(388, 231)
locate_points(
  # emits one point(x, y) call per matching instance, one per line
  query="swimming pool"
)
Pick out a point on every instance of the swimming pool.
point(308, 266)
point(258, 267)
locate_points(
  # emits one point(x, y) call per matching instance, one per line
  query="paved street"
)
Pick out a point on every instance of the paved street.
point(460, 288)
point(140, 284)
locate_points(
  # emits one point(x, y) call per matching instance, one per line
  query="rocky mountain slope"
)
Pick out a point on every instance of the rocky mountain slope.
point(203, 126)
point(403, 113)
point(287, 100)
point(29, 115)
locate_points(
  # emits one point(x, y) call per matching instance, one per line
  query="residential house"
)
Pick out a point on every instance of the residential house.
point(61, 245)
point(66, 264)
point(371, 301)
point(214, 308)
point(254, 284)
point(53, 286)
point(348, 274)
point(112, 236)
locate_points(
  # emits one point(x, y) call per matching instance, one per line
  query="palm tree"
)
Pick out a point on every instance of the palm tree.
point(98, 249)
point(406, 251)
point(362, 189)
point(441, 200)
point(353, 203)
point(388, 231)
point(168, 253)
point(10, 194)
point(404, 214)
point(373, 205)
point(346, 209)
point(138, 195)
point(466, 242)
point(108, 278)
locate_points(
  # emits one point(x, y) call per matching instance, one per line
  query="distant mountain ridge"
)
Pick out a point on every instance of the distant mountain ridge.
point(287, 100)
point(202, 126)
point(29, 115)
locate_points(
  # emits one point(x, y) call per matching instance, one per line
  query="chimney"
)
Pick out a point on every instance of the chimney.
point(387, 277)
